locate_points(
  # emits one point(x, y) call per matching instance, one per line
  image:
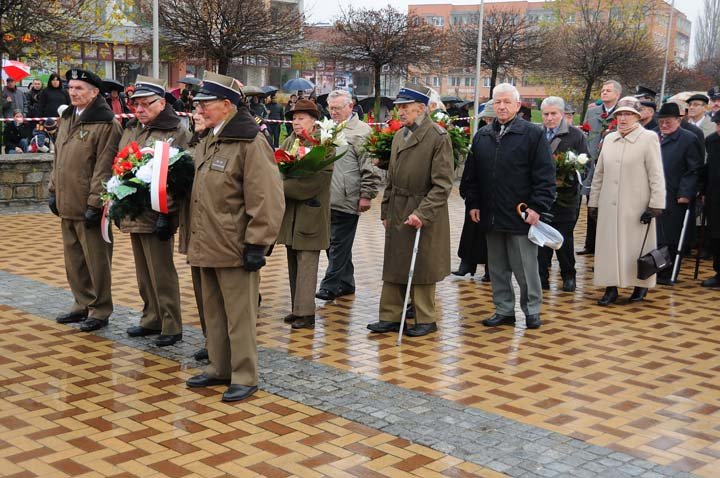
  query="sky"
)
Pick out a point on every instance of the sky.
point(327, 10)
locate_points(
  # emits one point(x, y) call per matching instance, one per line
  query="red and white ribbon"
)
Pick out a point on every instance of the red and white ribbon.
point(158, 185)
point(105, 223)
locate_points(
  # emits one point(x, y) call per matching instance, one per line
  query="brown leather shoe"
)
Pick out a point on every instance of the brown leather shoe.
point(304, 322)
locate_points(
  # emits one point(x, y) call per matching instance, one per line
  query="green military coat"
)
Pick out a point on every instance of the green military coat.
point(306, 224)
point(419, 181)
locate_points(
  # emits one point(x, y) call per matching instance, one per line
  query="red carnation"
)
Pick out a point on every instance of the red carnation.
point(394, 125)
point(586, 127)
point(603, 115)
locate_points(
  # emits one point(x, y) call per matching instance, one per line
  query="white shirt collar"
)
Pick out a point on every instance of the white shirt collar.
point(217, 128)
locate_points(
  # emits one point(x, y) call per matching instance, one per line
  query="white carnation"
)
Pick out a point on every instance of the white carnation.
point(145, 172)
point(583, 159)
point(112, 185)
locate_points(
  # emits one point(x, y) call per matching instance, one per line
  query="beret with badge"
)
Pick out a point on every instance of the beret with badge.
point(84, 75)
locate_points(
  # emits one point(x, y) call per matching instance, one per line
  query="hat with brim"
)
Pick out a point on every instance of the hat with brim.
point(714, 93)
point(413, 94)
point(218, 87)
point(84, 75)
point(304, 106)
point(147, 86)
point(629, 104)
point(488, 111)
point(643, 91)
point(669, 110)
point(569, 109)
point(716, 117)
point(699, 97)
point(649, 104)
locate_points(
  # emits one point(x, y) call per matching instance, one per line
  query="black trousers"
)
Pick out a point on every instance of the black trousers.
point(590, 231)
point(473, 244)
point(340, 273)
point(714, 246)
point(274, 130)
point(565, 255)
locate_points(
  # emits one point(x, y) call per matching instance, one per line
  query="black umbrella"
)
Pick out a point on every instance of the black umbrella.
point(109, 85)
point(190, 80)
point(322, 100)
point(369, 102)
point(269, 89)
point(451, 99)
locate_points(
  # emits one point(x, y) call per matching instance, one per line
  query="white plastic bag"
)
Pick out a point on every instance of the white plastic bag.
point(541, 233)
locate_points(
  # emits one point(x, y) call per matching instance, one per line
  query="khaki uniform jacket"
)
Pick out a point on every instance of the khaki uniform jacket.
point(420, 178)
point(237, 195)
point(84, 151)
point(184, 208)
point(354, 176)
point(306, 224)
point(628, 179)
point(166, 127)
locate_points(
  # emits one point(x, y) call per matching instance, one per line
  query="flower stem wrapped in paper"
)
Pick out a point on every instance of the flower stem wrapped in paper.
point(147, 178)
point(312, 153)
point(568, 168)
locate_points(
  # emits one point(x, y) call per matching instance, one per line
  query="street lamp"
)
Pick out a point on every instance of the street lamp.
point(667, 50)
point(156, 39)
point(478, 60)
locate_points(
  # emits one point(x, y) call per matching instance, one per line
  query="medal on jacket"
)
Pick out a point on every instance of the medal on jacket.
point(83, 134)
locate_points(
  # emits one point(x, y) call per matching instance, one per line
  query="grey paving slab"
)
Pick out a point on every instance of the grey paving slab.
point(489, 440)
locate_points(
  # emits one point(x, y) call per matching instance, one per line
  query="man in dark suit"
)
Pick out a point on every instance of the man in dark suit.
point(682, 163)
point(562, 138)
point(710, 193)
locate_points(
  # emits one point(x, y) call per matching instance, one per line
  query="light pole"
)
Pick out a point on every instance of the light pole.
point(477, 68)
point(156, 39)
point(667, 50)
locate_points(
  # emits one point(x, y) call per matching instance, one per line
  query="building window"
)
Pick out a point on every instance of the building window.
point(454, 81)
point(414, 80)
point(427, 80)
point(486, 82)
point(436, 81)
point(469, 81)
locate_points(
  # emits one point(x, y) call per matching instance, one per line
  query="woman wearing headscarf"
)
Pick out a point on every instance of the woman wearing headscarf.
point(628, 191)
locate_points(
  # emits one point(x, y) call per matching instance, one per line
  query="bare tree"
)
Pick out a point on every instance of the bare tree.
point(707, 32)
point(225, 29)
point(376, 38)
point(594, 40)
point(26, 22)
point(680, 78)
point(510, 40)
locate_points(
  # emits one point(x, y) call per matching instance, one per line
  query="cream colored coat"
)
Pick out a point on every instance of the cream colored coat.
point(628, 179)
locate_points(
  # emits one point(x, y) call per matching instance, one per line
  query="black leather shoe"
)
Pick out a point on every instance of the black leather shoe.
point(586, 252)
point(324, 294)
point(420, 329)
point(465, 268)
point(167, 340)
point(638, 294)
point(205, 380)
point(304, 322)
point(498, 319)
point(609, 297)
point(545, 284)
point(90, 324)
point(290, 318)
point(711, 282)
point(384, 326)
point(236, 392)
point(138, 331)
point(665, 281)
point(569, 284)
point(71, 317)
point(532, 321)
point(342, 292)
point(485, 277)
point(201, 354)
point(410, 311)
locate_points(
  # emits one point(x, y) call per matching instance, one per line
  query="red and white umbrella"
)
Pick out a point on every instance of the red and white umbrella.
point(16, 70)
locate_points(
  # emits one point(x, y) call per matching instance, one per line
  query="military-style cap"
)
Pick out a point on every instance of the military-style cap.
point(643, 91)
point(649, 104)
point(411, 93)
point(148, 86)
point(628, 103)
point(218, 87)
point(716, 117)
point(84, 75)
point(669, 110)
point(714, 93)
point(699, 97)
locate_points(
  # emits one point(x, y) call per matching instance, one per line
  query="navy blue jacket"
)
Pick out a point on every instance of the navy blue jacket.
point(517, 168)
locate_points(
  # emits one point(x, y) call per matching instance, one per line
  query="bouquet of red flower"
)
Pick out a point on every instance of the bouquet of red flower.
point(379, 143)
point(459, 136)
point(134, 170)
point(301, 161)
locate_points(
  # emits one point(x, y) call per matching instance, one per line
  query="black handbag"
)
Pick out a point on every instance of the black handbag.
point(654, 261)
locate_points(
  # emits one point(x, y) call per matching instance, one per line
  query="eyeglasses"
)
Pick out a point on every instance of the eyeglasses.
point(337, 108)
point(145, 105)
point(204, 104)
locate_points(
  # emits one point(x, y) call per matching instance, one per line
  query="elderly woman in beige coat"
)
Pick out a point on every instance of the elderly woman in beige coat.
point(628, 190)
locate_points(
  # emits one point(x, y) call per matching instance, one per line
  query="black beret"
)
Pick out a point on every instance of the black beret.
point(699, 97)
point(84, 75)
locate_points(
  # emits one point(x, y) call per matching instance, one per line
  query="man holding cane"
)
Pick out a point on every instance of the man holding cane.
point(420, 178)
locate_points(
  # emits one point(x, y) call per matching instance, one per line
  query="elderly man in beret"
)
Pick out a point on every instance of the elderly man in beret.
point(236, 209)
point(85, 147)
point(419, 181)
point(152, 233)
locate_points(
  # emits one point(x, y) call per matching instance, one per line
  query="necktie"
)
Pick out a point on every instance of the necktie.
point(550, 135)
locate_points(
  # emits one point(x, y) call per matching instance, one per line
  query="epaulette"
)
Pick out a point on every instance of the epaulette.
point(439, 129)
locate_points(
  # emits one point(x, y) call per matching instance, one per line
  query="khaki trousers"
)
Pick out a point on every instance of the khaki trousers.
point(303, 270)
point(197, 289)
point(230, 297)
point(392, 299)
point(158, 283)
point(88, 260)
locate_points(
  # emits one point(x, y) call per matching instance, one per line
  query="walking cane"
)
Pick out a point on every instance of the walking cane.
point(409, 285)
point(700, 244)
point(676, 265)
